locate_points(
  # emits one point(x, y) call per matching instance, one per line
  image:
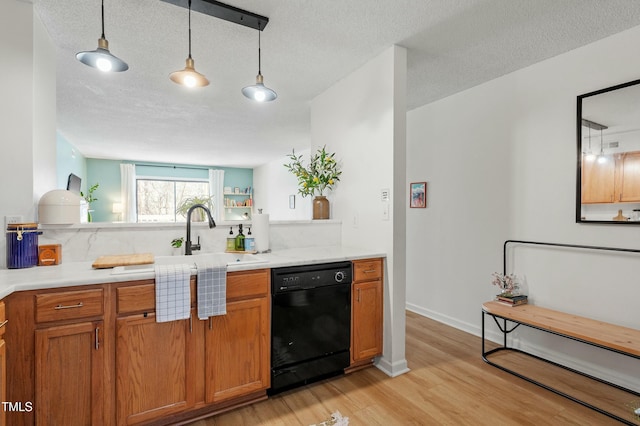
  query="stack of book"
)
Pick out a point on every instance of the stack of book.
point(516, 300)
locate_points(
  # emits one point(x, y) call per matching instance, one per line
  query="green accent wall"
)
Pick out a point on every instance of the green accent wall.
point(69, 160)
point(107, 174)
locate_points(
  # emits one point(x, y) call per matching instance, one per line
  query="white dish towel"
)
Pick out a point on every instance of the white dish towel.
point(212, 290)
point(173, 294)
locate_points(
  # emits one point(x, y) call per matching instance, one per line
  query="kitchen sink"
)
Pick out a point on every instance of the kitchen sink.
point(243, 259)
point(133, 269)
point(229, 259)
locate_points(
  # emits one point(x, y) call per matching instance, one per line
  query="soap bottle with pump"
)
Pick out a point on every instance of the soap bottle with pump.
point(231, 240)
point(249, 242)
point(240, 239)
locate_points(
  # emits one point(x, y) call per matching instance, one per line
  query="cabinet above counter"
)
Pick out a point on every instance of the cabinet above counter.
point(70, 274)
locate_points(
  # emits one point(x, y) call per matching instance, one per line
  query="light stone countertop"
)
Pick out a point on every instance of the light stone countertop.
point(81, 273)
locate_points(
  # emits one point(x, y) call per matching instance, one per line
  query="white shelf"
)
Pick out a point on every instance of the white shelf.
point(237, 193)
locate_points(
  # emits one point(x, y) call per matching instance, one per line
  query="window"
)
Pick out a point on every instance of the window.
point(160, 200)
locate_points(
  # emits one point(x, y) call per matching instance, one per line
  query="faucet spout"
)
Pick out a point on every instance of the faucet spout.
point(189, 247)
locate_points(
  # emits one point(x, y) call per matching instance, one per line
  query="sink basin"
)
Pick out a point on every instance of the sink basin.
point(216, 258)
point(229, 259)
point(133, 269)
point(243, 259)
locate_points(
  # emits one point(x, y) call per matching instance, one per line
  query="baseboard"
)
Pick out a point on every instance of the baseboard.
point(491, 335)
point(392, 369)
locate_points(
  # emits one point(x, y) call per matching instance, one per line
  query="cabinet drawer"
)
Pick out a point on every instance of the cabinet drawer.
point(136, 298)
point(69, 305)
point(244, 284)
point(142, 298)
point(364, 270)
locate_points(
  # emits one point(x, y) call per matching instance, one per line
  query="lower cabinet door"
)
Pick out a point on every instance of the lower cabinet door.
point(366, 337)
point(237, 359)
point(69, 375)
point(3, 380)
point(154, 368)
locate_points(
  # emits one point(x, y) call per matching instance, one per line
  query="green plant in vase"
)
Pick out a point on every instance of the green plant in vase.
point(89, 198)
point(322, 174)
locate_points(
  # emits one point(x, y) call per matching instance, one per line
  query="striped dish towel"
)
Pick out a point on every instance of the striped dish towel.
point(212, 290)
point(173, 294)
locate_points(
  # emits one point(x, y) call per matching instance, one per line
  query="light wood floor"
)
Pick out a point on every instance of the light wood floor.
point(448, 384)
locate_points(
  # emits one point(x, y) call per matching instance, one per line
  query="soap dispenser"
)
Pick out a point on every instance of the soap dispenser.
point(249, 242)
point(231, 240)
point(240, 239)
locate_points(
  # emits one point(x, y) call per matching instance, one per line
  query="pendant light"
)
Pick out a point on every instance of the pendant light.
point(189, 76)
point(259, 92)
point(101, 58)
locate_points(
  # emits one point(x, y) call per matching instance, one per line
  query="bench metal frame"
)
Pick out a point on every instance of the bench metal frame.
point(509, 328)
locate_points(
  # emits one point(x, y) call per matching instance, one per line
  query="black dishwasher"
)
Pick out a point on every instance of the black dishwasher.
point(310, 323)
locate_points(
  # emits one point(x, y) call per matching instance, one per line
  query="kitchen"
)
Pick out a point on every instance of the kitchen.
point(455, 242)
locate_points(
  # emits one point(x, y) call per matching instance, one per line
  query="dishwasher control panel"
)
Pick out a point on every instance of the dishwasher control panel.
point(310, 276)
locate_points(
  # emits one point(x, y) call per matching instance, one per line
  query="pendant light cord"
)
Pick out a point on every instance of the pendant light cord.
point(103, 19)
point(601, 146)
point(189, 29)
point(259, 55)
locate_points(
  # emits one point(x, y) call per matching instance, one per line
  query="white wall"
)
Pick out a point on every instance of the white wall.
point(500, 164)
point(362, 119)
point(23, 119)
point(44, 112)
point(273, 184)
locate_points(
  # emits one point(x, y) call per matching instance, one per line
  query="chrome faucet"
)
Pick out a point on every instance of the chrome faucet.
point(188, 247)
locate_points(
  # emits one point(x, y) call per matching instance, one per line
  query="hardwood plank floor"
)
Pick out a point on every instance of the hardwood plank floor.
point(448, 384)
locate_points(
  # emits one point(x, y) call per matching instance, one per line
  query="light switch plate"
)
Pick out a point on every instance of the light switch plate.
point(385, 211)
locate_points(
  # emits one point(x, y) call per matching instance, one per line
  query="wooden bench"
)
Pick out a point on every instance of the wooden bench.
point(623, 340)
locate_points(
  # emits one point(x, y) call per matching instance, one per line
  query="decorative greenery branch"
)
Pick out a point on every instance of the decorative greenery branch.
point(322, 173)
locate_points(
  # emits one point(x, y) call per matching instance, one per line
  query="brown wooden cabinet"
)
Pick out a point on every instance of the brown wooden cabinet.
point(69, 375)
point(598, 181)
point(629, 177)
point(3, 363)
point(155, 369)
point(237, 352)
point(616, 180)
point(95, 355)
point(366, 311)
point(155, 362)
point(57, 373)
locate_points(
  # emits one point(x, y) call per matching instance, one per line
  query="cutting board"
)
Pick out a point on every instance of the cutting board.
point(112, 261)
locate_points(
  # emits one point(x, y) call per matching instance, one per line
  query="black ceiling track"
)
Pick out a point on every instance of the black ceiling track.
point(224, 11)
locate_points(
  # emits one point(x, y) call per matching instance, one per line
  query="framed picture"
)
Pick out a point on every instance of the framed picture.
point(418, 195)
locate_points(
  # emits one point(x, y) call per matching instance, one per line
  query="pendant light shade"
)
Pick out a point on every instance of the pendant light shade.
point(189, 77)
point(259, 92)
point(101, 58)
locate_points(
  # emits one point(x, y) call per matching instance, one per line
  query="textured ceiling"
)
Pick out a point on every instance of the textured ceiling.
point(307, 47)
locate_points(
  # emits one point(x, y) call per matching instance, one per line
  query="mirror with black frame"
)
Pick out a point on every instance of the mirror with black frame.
point(608, 167)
